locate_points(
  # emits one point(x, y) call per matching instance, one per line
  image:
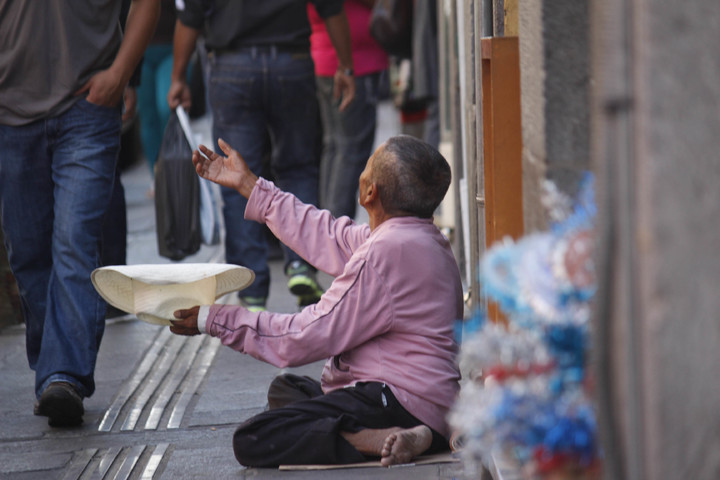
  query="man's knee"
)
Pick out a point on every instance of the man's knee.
point(289, 388)
point(254, 446)
point(244, 444)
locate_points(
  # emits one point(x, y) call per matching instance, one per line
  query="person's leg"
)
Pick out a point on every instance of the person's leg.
point(152, 100)
point(354, 141)
point(431, 134)
point(53, 207)
point(395, 445)
point(113, 250)
point(162, 86)
point(328, 114)
point(235, 92)
point(147, 114)
point(289, 388)
point(85, 145)
point(26, 204)
point(315, 430)
point(292, 108)
point(113, 244)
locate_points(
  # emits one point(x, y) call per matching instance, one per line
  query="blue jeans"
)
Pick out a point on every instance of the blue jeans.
point(348, 139)
point(263, 104)
point(56, 179)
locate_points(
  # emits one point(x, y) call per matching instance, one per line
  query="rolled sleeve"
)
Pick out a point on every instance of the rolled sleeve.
point(191, 13)
point(328, 8)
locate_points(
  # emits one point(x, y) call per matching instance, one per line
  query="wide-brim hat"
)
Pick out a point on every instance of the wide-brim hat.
point(154, 292)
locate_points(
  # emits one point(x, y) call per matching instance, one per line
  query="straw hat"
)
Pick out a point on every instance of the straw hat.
point(154, 292)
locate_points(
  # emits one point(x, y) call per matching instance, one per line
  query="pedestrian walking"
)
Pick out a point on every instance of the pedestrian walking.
point(348, 135)
point(63, 72)
point(262, 96)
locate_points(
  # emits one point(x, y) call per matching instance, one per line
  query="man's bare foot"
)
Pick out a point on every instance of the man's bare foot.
point(404, 445)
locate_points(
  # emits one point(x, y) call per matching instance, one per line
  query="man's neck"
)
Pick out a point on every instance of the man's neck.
point(378, 218)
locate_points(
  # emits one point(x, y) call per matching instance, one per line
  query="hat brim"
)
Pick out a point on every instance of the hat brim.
point(153, 292)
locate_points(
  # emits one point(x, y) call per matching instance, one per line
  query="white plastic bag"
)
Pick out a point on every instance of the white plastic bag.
point(209, 217)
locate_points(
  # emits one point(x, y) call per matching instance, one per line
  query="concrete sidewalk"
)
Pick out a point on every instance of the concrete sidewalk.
point(165, 406)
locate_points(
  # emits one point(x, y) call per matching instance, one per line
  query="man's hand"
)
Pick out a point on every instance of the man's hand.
point(130, 98)
point(104, 88)
point(230, 171)
point(186, 323)
point(343, 87)
point(179, 94)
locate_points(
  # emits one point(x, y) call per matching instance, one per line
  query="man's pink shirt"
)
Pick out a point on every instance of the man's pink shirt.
point(387, 317)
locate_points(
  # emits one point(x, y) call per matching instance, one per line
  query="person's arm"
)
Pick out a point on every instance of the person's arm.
point(344, 81)
point(184, 42)
point(314, 234)
point(354, 310)
point(130, 94)
point(130, 98)
point(107, 86)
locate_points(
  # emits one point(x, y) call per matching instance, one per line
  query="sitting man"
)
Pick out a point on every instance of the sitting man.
point(385, 324)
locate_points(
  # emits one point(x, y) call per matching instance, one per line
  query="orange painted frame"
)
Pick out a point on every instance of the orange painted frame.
point(502, 142)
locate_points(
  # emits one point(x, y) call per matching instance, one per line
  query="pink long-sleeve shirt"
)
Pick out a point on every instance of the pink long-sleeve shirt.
point(388, 316)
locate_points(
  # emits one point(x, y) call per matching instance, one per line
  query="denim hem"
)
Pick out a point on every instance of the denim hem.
point(61, 377)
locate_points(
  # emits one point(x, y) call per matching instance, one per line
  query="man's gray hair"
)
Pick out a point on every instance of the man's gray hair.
point(412, 176)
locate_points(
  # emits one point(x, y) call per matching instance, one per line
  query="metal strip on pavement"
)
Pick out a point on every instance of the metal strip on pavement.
point(106, 462)
point(151, 384)
point(129, 463)
point(210, 348)
point(112, 413)
point(154, 461)
point(179, 372)
point(79, 463)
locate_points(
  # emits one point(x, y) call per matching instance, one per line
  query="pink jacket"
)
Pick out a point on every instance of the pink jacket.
point(388, 316)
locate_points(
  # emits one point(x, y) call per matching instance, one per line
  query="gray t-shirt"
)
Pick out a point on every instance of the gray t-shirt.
point(48, 50)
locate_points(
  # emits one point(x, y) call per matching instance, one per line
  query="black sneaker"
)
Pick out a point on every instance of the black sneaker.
point(62, 404)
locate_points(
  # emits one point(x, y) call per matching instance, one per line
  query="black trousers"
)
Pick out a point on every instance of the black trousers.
point(303, 425)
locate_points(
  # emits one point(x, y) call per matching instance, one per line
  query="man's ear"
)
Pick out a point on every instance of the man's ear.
point(370, 194)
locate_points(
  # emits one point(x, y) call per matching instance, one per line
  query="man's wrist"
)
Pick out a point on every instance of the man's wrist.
point(203, 313)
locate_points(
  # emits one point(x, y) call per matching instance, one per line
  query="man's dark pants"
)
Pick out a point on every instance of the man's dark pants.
point(260, 97)
point(303, 425)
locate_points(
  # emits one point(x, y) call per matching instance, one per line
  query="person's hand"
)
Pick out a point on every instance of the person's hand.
point(230, 171)
point(130, 98)
point(104, 88)
point(179, 94)
point(343, 87)
point(186, 323)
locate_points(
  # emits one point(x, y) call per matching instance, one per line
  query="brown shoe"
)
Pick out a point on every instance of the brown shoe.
point(62, 404)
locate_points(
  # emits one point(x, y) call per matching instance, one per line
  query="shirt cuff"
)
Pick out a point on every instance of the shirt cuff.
point(203, 314)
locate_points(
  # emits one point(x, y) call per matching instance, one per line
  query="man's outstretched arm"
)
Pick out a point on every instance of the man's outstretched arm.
point(314, 234)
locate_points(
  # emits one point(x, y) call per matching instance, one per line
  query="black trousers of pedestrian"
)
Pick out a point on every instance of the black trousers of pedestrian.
point(303, 425)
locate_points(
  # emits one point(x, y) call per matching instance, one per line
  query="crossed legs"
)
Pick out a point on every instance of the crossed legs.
point(349, 425)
